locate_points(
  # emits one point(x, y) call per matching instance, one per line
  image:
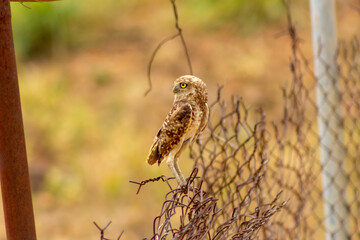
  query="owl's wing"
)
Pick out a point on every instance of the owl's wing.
point(172, 130)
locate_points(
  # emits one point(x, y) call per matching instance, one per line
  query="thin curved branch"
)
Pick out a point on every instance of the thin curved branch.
point(179, 33)
point(165, 40)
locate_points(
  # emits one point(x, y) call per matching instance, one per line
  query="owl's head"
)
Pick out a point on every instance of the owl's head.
point(190, 88)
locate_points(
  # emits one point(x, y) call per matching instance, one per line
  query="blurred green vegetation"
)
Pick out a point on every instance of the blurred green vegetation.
point(46, 29)
point(42, 29)
point(52, 28)
point(245, 15)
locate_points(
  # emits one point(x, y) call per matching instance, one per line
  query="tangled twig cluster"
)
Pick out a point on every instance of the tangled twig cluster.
point(192, 213)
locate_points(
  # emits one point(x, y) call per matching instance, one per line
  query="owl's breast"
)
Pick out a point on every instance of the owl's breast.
point(195, 123)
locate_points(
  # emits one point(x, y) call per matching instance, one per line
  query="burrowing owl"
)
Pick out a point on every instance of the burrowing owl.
point(185, 121)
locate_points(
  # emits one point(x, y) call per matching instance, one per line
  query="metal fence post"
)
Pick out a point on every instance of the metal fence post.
point(330, 120)
point(14, 174)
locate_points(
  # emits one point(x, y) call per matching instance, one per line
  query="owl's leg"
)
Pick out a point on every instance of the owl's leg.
point(176, 165)
point(172, 163)
point(177, 169)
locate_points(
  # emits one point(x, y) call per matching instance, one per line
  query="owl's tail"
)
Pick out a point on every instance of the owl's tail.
point(154, 155)
point(151, 159)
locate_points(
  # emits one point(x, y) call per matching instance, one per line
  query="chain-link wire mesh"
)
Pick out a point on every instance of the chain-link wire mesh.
point(294, 152)
point(296, 167)
point(234, 161)
point(288, 152)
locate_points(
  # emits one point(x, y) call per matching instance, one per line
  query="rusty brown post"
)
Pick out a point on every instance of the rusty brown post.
point(14, 173)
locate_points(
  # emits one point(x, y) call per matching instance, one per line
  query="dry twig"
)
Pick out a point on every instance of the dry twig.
point(165, 40)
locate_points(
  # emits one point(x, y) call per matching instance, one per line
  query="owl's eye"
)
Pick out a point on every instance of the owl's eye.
point(183, 85)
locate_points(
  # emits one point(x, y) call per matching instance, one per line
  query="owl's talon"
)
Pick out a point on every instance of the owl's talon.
point(183, 188)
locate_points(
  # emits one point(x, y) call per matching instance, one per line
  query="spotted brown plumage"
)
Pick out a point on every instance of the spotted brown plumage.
point(170, 133)
point(186, 120)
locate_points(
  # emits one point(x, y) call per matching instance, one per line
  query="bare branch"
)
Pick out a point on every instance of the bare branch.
point(178, 34)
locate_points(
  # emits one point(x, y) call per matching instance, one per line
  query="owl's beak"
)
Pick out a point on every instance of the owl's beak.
point(176, 89)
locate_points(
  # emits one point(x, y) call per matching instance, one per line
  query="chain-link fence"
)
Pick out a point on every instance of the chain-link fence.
point(239, 146)
point(296, 167)
point(250, 169)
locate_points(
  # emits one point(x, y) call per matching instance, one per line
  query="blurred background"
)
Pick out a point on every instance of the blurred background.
point(82, 71)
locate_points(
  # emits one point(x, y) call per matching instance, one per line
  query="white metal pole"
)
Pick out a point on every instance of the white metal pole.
point(330, 120)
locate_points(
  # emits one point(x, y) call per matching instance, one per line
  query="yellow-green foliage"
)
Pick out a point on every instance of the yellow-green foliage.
point(43, 30)
point(246, 15)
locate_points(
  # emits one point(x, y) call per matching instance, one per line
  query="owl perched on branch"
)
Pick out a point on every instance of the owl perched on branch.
point(186, 120)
